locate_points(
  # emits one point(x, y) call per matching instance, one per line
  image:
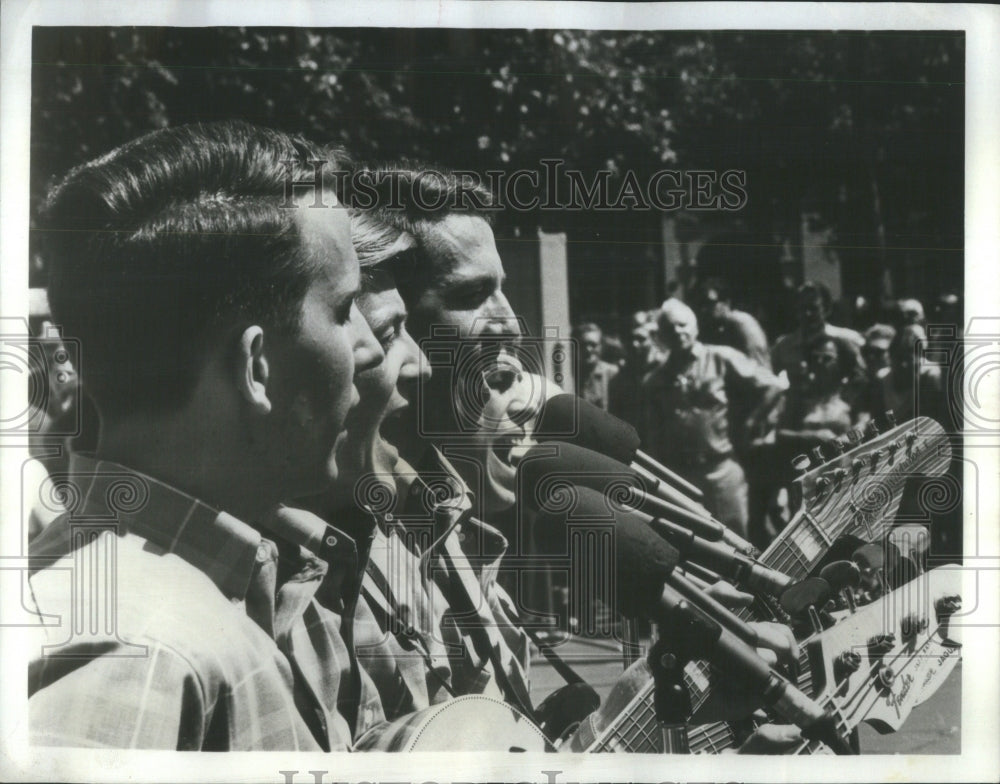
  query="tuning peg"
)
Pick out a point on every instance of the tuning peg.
point(846, 664)
point(912, 625)
point(854, 436)
point(871, 430)
point(947, 605)
point(944, 608)
point(890, 417)
point(817, 455)
point(838, 445)
point(844, 577)
point(801, 464)
point(880, 644)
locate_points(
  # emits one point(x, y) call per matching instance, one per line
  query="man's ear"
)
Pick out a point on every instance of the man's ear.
point(252, 370)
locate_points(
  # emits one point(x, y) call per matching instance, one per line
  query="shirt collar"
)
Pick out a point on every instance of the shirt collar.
point(214, 542)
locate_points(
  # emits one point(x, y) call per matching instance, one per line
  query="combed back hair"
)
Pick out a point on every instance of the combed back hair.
point(414, 198)
point(161, 244)
point(377, 243)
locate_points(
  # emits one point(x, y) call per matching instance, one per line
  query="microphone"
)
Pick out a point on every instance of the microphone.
point(722, 558)
point(600, 472)
point(644, 565)
point(715, 556)
point(570, 418)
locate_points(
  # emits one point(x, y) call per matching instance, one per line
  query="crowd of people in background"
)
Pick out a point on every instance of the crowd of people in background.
point(305, 519)
point(702, 373)
point(729, 407)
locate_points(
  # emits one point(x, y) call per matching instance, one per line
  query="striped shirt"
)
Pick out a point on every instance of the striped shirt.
point(488, 652)
point(171, 625)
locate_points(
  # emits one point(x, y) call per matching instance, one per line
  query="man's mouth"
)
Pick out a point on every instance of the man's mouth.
point(510, 448)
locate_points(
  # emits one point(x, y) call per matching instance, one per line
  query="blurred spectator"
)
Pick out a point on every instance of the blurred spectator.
point(721, 325)
point(789, 354)
point(686, 411)
point(613, 350)
point(864, 313)
point(643, 355)
point(595, 374)
point(911, 311)
point(644, 339)
point(878, 338)
point(947, 309)
point(819, 413)
point(910, 387)
point(876, 348)
point(816, 414)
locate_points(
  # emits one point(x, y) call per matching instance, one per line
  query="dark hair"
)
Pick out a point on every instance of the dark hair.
point(412, 197)
point(162, 242)
point(816, 289)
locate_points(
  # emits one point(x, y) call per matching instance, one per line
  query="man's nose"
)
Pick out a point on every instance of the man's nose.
point(500, 318)
point(416, 367)
point(367, 350)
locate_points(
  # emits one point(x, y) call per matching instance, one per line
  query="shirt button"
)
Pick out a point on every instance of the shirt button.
point(264, 553)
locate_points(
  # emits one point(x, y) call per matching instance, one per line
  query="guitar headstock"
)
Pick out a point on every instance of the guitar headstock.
point(877, 663)
point(858, 490)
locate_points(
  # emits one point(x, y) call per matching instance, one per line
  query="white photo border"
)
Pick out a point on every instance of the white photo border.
point(981, 685)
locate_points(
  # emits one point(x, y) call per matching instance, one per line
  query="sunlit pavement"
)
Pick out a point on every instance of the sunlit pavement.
point(932, 728)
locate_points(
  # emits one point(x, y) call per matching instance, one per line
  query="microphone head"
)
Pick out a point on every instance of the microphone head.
point(642, 560)
point(569, 418)
point(547, 468)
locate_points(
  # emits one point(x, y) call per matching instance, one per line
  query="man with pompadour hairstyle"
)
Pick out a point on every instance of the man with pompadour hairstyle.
point(209, 274)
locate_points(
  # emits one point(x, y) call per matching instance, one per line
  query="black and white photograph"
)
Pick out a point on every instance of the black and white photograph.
point(500, 391)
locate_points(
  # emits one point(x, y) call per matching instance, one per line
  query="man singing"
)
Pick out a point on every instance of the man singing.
point(213, 297)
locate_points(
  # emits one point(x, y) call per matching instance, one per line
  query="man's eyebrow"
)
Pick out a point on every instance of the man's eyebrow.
point(454, 277)
point(352, 293)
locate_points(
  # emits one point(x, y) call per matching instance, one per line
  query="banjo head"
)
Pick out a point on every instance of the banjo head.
point(470, 723)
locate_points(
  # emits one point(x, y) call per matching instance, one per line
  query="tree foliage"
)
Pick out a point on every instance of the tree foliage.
point(861, 131)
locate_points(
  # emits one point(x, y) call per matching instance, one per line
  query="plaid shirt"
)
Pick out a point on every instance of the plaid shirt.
point(431, 625)
point(172, 625)
point(469, 613)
